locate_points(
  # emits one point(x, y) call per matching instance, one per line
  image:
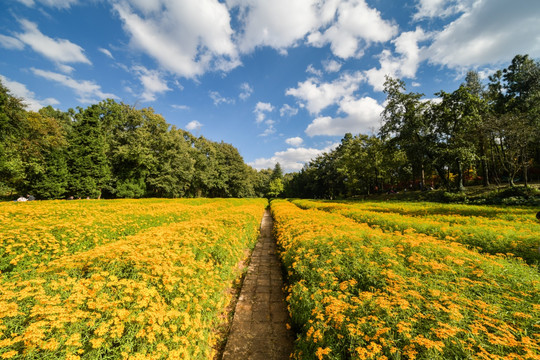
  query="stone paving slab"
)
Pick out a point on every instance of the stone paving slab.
point(259, 327)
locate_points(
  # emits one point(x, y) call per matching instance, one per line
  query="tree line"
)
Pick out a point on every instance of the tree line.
point(113, 150)
point(478, 134)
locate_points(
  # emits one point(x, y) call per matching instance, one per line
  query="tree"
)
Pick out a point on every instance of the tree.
point(275, 185)
point(13, 126)
point(275, 188)
point(514, 95)
point(233, 174)
point(408, 125)
point(44, 158)
point(261, 182)
point(89, 168)
point(458, 116)
point(474, 86)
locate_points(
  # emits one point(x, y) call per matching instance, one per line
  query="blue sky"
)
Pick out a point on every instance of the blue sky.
point(281, 80)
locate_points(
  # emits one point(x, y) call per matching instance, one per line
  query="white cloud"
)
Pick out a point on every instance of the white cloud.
point(349, 26)
point(185, 37)
point(11, 43)
point(27, 2)
point(152, 83)
point(294, 141)
point(193, 125)
point(260, 111)
point(180, 107)
point(60, 4)
point(57, 50)
point(404, 65)
point(362, 115)
point(29, 97)
point(331, 66)
point(106, 52)
point(287, 110)
point(292, 159)
point(317, 95)
point(439, 8)
point(279, 23)
point(311, 70)
point(357, 26)
point(65, 68)
point(218, 99)
point(87, 91)
point(270, 129)
point(488, 32)
point(246, 91)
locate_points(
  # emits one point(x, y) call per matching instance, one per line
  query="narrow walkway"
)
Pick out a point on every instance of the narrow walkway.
point(258, 330)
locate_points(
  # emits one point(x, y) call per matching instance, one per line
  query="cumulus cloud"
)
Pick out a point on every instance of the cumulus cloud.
point(152, 83)
point(294, 141)
point(317, 95)
point(260, 111)
point(219, 99)
point(246, 91)
point(403, 65)
point(29, 97)
point(87, 91)
point(193, 125)
point(292, 159)
point(357, 26)
point(311, 70)
point(279, 23)
point(270, 129)
point(361, 116)
point(331, 66)
point(185, 37)
point(288, 110)
point(488, 32)
point(58, 50)
point(349, 26)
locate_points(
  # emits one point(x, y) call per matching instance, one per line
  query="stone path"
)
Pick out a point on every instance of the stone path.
point(258, 330)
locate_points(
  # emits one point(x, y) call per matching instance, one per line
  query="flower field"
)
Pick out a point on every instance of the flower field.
point(489, 229)
point(127, 279)
point(388, 292)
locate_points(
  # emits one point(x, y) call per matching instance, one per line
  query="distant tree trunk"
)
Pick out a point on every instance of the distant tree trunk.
point(442, 175)
point(460, 186)
point(483, 161)
point(525, 177)
point(423, 183)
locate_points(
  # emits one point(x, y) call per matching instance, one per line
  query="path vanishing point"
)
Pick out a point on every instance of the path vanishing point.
point(259, 330)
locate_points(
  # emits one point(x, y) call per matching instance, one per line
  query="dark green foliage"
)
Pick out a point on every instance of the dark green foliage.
point(90, 170)
point(473, 135)
point(114, 150)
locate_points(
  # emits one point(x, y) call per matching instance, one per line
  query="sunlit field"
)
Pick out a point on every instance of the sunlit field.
point(122, 279)
point(151, 279)
point(410, 281)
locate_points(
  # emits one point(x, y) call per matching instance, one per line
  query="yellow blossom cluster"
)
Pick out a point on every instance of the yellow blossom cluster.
point(508, 231)
point(363, 292)
point(158, 293)
point(34, 233)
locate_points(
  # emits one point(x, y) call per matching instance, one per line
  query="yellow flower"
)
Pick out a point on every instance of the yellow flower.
point(9, 354)
point(321, 352)
point(96, 343)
